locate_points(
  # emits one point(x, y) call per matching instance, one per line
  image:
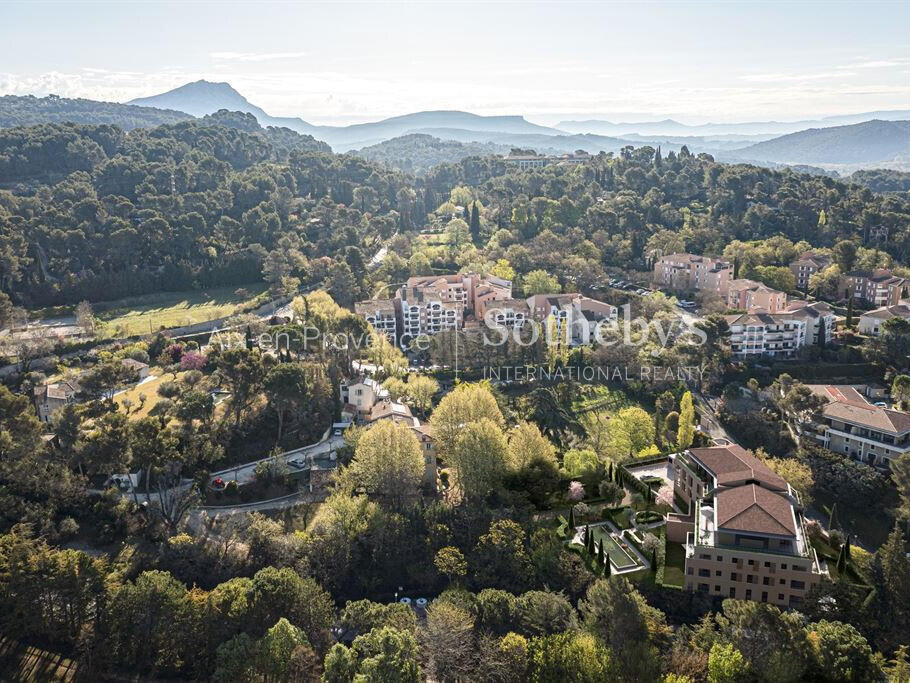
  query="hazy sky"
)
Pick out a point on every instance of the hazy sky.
point(342, 62)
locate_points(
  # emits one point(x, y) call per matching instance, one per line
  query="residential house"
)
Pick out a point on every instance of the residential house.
point(746, 536)
point(692, 273)
point(748, 294)
point(871, 322)
point(360, 395)
point(875, 288)
point(141, 369)
point(850, 425)
point(387, 409)
point(381, 314)
point(761, 334)
point(49, 398)
point(808, 264)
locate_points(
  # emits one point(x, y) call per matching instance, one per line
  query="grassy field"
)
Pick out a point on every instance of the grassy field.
point(147, 314)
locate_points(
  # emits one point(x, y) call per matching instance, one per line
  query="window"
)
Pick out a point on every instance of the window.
point(748, 594)
point(716, 589)
point(764, 596)
point(750, 578)
point(783, 582)
point(704, 557)
point(783, 566)
point(798, 585)
point(718, 573)
point(732, 592)
point(734, 576)
point(720, 559)
point(766, 581)
point(704, 572)
point(703, 587)
point(780, 596)
point(767, 564)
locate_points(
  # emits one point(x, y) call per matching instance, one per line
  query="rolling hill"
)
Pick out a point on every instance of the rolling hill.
point(870, 142)
point(31, 111)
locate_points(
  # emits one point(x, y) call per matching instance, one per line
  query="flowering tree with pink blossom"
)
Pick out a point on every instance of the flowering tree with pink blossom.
point(191, 360)
point(576, 490)
point(665, 495)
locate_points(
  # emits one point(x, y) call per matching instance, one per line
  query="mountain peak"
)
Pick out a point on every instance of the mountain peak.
point(200, 98)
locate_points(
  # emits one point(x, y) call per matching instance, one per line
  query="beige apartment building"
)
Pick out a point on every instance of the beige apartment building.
point(761, 334)
point(876, 288)
point(381, 314)
point(818, 316)
point(746, 536)
point(692, 273)
point(574, 317)
point(850, 425)
point(871, 322)
point(748, 294)
point(807, 265)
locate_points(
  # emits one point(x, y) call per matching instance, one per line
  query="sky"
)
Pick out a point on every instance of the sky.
point(344, 62)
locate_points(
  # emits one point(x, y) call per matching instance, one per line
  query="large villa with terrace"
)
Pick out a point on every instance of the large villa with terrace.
point(744, 536)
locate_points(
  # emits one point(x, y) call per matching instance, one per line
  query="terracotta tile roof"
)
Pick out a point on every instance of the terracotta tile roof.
point(733, 464)
point(873, 417)
point(754, 509)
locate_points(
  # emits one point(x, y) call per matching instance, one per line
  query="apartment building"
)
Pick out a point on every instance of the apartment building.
point(819, 317)
point(430, 304)
point(871, 322)
point(381, 314)
point(509, 313)
point(691, 273)
point(748, 294)
point(572, 317)
point(526, 161)
point(850, 425)
point(807, 265)
point(876, 288)
point(762, 334)
point(747, 538)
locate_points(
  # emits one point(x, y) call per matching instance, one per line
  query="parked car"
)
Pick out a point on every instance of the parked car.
point(298, 463)
point(218, 484)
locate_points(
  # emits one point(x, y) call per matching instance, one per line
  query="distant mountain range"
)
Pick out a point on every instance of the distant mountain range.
point(203, 97)
point(870, 142)
point(844, 143)
point(751, 129)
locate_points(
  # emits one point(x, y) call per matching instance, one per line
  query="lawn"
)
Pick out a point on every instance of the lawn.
point(149, 313)
point(600, 397)
point(675, 565)
point(149, 388)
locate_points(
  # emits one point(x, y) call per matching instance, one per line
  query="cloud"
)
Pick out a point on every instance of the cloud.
point(873, 64)
point(790, 78)
point(255, 56)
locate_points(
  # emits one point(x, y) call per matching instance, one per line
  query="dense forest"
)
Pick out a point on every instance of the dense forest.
point(99, 213)
point(29, 110)
point(418, 152)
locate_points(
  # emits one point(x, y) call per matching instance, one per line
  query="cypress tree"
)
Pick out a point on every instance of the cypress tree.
point(475, 221)
point(602, 556)
point(847, 549)
point(841, 559)
point(849, 323)
point(654, 559)
point(572, 518)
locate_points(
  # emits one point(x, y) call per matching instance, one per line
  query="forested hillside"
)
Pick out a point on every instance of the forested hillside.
point(417, 153)
point(30, 110)
point(882, 180)
point(195, 205)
